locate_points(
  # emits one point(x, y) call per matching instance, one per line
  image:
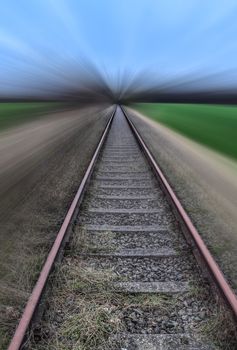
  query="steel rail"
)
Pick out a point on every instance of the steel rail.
point(36, 295)
point(212, 266)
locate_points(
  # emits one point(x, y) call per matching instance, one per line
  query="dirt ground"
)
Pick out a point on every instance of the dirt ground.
point(26, 147)
point(41, 169)
point(206, 184)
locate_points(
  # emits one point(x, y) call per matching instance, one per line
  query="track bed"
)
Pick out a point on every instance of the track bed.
point(128, 279)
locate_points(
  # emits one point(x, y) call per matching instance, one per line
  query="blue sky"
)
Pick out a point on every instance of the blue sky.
point(41, 40)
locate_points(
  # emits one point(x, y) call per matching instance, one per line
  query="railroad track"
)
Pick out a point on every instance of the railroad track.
point(127, 239)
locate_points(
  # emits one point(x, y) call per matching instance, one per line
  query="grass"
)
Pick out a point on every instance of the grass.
point(221, 248)
point(221, 329)
point(16, 287)
point(86, 309)
point(211, 125)
point(14, 113)
point(83, 242)
point(86, 300)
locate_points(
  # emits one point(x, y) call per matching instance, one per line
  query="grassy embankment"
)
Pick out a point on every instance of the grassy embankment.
point(37, 217)
point(15, 113)
point(211, 125)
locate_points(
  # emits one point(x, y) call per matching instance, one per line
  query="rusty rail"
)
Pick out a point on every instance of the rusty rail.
point(36, 295)
point(210, 263)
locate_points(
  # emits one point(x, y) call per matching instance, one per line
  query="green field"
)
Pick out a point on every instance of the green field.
point(14, 113)
point(212, 125)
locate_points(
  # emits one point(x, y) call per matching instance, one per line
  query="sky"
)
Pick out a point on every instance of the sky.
point(43, 42)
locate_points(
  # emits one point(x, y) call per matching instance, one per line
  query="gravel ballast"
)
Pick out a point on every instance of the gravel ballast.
point(128, 269)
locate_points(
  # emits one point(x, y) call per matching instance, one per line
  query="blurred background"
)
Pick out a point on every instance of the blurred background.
point(63, 66)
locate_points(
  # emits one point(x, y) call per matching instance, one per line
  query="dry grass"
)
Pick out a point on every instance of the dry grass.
point(83, 242)
point(85, 309)
point(15, 288)
point(221, 329)
point(82, 312)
